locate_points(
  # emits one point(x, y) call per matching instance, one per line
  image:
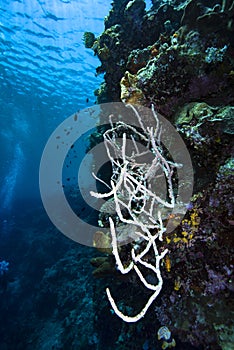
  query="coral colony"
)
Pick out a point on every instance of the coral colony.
point(136, 203)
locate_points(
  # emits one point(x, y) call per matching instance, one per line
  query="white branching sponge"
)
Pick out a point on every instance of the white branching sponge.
point(142, 189)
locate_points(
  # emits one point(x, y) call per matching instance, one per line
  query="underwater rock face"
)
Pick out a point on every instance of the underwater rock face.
point(183, 50)
point(184, 67)
point(176, 71)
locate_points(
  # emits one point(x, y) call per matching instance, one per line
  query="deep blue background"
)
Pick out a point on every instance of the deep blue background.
point(46, 74)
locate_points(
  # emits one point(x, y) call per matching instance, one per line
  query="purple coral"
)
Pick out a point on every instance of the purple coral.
point(216, 283)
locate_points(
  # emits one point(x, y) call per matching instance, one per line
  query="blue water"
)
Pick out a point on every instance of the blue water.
point(46, 74)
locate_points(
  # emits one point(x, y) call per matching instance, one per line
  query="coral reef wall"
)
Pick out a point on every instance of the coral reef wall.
point(179, 57)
